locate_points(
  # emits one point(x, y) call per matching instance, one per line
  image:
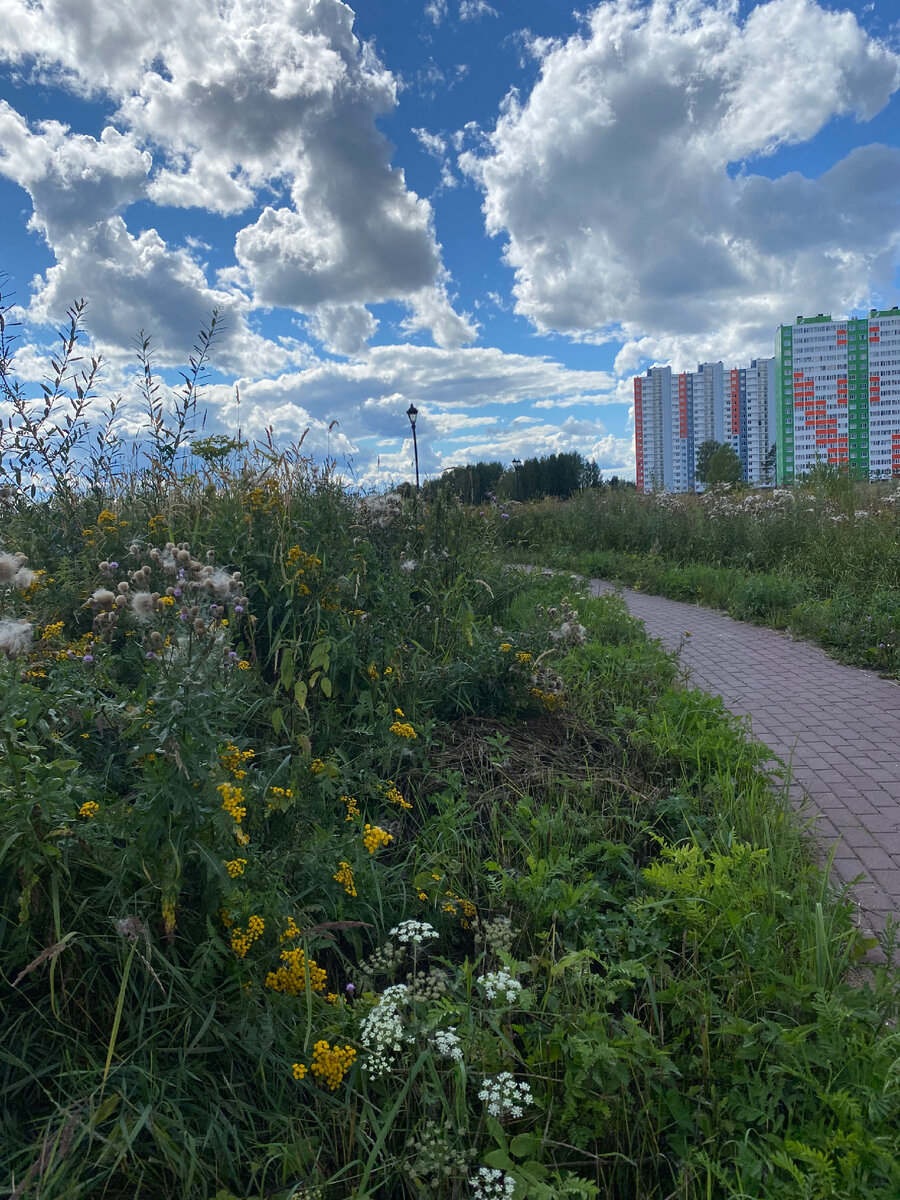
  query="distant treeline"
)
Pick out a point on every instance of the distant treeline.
point(559, 475)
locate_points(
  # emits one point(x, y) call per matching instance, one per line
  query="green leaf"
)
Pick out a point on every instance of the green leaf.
point(300, 693)
point(277, 720)
point(499, 1159)
point(524, 1144)
point(325, 685)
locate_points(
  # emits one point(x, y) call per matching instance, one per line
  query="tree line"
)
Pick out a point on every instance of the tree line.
point(557, 475)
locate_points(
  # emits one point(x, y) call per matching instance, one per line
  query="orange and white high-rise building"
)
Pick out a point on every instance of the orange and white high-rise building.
point(674, 414)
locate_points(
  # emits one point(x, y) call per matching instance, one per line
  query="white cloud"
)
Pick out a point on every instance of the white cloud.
point(458, 392)
point(431, 309)
point(471, 10)
point(435, 146)
point(343, 328)
point(610, 182)
point(264, 106)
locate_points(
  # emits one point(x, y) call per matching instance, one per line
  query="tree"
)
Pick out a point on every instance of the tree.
point(705, 451)
point(724, 467)
point(770, 464)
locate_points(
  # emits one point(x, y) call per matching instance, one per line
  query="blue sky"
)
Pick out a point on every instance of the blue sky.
point(497, 211)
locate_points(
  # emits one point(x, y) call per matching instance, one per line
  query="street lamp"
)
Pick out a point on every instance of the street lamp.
point(412, 412)
point(517, 466)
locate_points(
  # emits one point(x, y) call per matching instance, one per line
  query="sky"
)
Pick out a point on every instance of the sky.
point(499, 212)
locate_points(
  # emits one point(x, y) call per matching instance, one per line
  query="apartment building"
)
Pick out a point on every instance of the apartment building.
point(838, 394)
point(676, 414)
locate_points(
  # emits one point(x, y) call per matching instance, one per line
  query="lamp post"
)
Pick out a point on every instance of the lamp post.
point(412, 412)
point(517, 467)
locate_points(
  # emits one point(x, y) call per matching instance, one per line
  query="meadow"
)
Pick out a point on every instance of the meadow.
point(821, 559)
point(339, 860)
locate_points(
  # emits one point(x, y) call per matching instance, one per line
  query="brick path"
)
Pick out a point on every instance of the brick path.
point(838, 726)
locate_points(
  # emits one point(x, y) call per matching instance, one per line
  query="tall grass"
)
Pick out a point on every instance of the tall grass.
point(822, 559)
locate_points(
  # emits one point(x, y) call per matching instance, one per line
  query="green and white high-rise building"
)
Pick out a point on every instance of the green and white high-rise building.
point(837, 386)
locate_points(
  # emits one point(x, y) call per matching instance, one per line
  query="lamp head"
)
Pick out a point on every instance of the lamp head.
point(412, 412)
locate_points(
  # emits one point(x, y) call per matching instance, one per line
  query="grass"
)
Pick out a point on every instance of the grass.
point(819, 560)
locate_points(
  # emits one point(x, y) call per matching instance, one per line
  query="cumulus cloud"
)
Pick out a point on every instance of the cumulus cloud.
point(343, 328)
point(624, 187)
point(258, 106)
point(456, 390)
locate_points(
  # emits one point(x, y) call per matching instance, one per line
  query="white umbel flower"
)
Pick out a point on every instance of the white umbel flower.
point(490, 1184)
point(499, 983)
point(504, 1096)
point(447, 1044)
point(414, 932)
point(382, 1031)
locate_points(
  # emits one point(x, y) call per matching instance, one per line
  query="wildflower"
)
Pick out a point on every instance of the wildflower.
point(232, 759)
point(89, 809)
point(317, 766)
point(236, 867)
point(143, 605)
point(374, 838)
point(291, 930)
point(50, 631)
point(402, 729)
point(372, 672)
point(331, 1063)
point(352, 807)
point(345, 876)
point(394, 796)
point(299, 1070)
point(243, 665)
point(415, 932)
point(241, 941)
point(447, 1044)
point(505, 647)
point(15, 636)
point(296, 974)
point(523, 656)
point(491, 1184)
point(233, 801)
point(398, 712)
point(499, 983)
point(382, 1031)
point(503, 1096)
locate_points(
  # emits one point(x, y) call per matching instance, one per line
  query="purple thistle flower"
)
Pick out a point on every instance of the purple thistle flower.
point(88, 658)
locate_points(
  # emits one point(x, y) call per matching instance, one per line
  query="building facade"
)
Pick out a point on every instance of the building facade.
point(838, 395)
point(675, 414)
